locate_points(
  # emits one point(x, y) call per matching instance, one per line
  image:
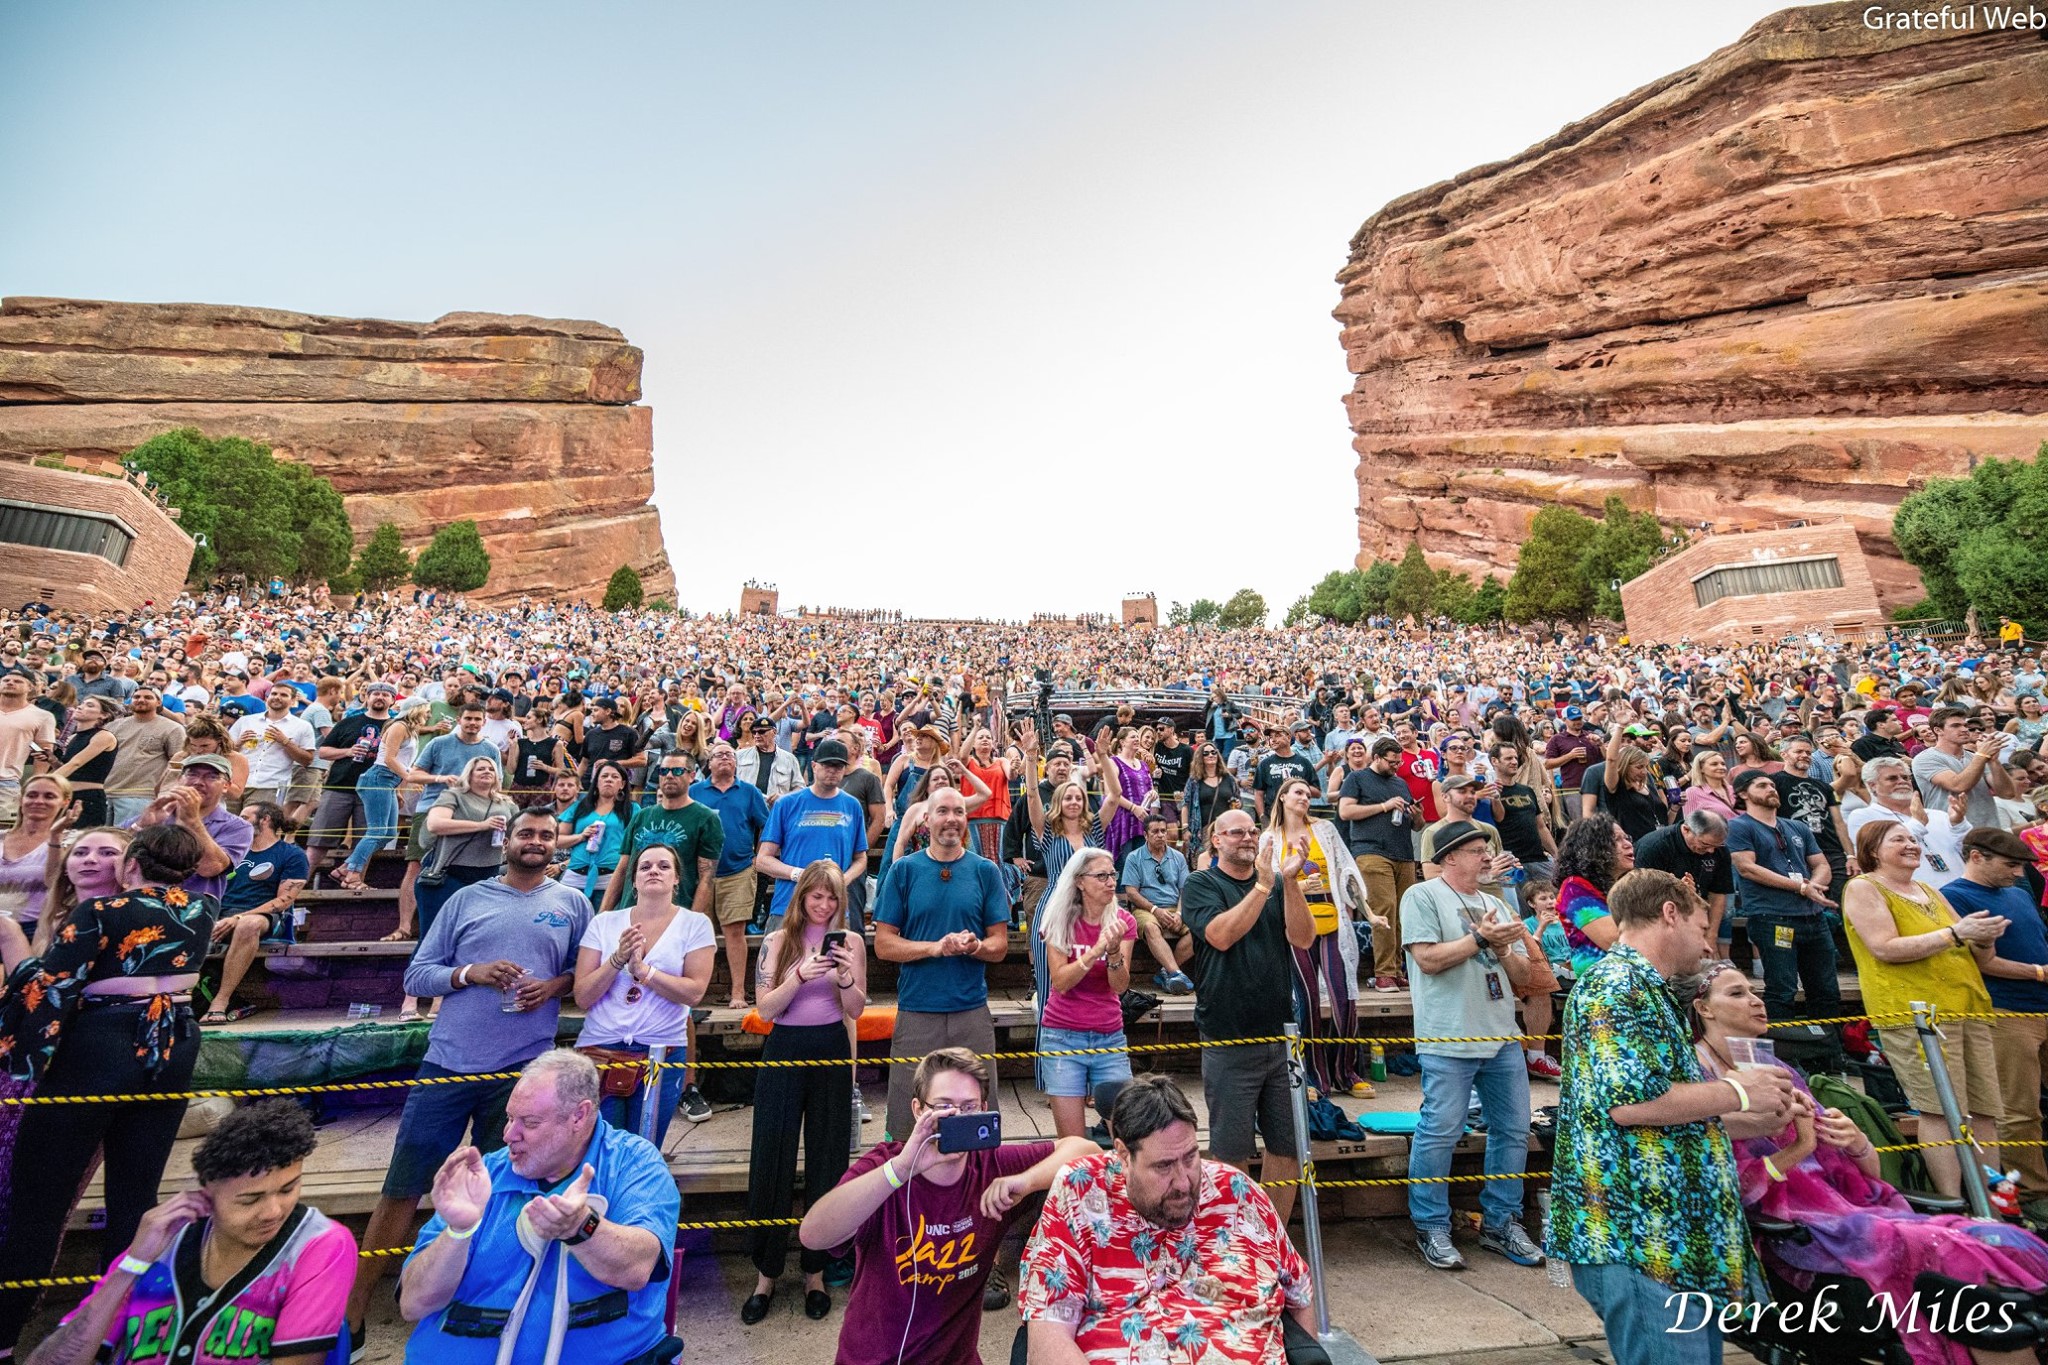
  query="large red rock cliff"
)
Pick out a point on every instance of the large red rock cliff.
point(530, 426)
point(1796, 280)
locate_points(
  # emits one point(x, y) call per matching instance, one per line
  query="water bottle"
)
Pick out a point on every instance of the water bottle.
point(1379, 1062)
point(362, 1011)
point(1556, 1268)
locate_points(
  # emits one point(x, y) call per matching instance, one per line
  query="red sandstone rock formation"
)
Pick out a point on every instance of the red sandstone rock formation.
point(1796, 280)
point(528, 425)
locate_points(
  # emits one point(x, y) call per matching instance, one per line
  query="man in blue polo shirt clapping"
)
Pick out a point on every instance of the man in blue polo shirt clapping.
point(558, 1240)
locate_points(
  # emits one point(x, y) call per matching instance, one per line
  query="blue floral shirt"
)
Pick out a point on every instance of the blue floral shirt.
point(1663, 1200)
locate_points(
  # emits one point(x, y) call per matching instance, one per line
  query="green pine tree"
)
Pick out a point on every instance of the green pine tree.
point(383, 562)
point(623, 593)
point(454, 560)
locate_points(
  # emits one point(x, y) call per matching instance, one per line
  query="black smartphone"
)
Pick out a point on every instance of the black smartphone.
point(834, 939)
point(970, 1132)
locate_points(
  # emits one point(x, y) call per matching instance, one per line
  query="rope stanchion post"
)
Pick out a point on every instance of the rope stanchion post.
point(650, 1084)
point(1974, 1188)
point(1311, 1224)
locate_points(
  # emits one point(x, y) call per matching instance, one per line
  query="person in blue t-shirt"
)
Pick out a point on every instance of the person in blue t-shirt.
point(942, 914)
point(1994, 863)
point(256, 906)
point(1785, 880)
point(819, 821)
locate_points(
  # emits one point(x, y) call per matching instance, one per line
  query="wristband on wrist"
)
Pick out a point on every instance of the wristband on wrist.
point(1956, 937)
point(889, 1174)
point(1771, 1170)
point(1264, 888)
point(462, 975)
point(463, 1234)
point(1740, 1093)
point(132, 1264)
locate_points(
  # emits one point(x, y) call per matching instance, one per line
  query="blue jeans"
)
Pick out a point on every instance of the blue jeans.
point(378, 788)
point(1502, 1081)
point(625, 1113)
point(1808, 959)
point(1642, 1318)
point(122, 810)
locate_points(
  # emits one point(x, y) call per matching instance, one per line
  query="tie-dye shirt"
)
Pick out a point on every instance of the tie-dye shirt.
point(288, 1301)
point(1579, 903)
point(1662, 1200)
point(1212, 1291)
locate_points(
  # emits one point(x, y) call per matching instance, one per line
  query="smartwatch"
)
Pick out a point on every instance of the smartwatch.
point(583, 1234)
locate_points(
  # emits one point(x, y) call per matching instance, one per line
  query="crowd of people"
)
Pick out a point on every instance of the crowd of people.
point(608, 807)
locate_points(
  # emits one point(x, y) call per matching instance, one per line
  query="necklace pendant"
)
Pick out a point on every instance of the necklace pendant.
point(632, 995)
point(945, 874)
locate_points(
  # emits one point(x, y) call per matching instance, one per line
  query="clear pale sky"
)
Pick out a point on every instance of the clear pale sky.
point(928, 291)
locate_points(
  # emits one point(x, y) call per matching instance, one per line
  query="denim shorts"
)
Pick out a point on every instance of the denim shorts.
point(1071, 1077)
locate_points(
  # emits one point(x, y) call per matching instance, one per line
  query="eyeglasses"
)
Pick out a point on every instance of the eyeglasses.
point(1098, 876)
point(1235, 833)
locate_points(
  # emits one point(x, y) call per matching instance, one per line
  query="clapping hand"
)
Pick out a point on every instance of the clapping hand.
point(462, 1189)
point(555, 1216)
point(1981, 926)
point(633, 941)
point(1296, 859)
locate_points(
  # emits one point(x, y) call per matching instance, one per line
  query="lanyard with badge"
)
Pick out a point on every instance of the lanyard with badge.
point(1488, 958)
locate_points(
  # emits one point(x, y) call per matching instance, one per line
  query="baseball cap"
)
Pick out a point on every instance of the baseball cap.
point(1574, 713)
point(1442, 839)
point(213, 761)
point(829, 751)
point(1458, 780)
point(381, 686)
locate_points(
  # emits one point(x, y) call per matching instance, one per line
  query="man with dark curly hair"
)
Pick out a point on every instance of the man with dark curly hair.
point(236, 1270)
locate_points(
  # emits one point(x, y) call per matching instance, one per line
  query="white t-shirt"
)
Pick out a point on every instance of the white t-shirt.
point(502, 733)
point(1941, 843)
point(269, 764)
point(653, 1018)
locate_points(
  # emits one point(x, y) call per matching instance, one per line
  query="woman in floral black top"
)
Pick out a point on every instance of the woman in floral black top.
point(104, 1011)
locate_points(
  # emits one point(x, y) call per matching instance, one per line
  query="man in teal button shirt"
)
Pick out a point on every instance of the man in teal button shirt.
point(578, 1211)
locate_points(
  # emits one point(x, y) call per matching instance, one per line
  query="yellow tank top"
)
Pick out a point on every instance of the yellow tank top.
point(1949, 980)
point(1324, 909)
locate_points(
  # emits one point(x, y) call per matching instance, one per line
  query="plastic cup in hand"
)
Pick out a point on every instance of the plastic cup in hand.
point(1749, 1054)
point(510, 1003)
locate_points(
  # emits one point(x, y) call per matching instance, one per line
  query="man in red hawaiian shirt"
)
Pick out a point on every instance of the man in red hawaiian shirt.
point(1183, 1259)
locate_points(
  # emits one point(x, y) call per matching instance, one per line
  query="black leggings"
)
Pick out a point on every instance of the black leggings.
point(820, 1100)
point(56, 1143)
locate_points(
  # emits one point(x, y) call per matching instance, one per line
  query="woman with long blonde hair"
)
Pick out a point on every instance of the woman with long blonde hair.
point(1088, 941)
point(811, 986)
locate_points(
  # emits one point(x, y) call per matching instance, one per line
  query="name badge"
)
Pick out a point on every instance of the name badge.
point(1784, 935)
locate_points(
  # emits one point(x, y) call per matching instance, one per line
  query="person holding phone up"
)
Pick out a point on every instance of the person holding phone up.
point(926, 1222)
point(812, 982)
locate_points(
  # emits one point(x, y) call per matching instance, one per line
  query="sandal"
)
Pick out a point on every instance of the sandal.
point(213, 1017)
point(400, 935)
point(411, 1016)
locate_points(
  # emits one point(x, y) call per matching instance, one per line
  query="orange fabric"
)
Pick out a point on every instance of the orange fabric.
point(877, 1023)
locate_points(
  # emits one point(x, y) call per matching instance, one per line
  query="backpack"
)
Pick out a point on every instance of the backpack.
point(1901, 1170)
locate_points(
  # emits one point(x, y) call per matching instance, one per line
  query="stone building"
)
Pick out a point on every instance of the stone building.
point(1762, 584)
point(87, 537)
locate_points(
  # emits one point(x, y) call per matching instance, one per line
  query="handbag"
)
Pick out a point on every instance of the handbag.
point(618, 1071)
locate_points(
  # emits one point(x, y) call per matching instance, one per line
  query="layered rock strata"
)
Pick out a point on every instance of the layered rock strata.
point(1794, 281)
point(529, 426)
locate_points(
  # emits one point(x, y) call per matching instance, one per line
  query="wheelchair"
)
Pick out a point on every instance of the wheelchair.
point(1858, 1331)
